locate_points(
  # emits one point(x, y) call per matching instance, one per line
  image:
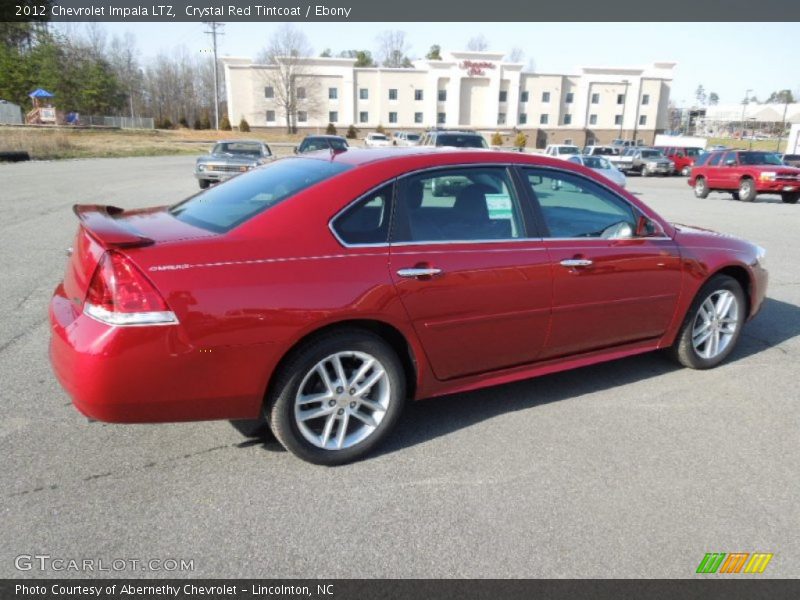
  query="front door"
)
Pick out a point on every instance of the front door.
point(475, 286)
point(609, 287)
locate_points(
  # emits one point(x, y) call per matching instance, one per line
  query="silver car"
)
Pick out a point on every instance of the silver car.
point(229, 158)
point(600, 165)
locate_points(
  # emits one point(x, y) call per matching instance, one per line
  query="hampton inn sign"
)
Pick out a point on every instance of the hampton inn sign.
point(465, 89)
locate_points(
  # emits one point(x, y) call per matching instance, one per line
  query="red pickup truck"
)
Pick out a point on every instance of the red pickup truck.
point(744, 174)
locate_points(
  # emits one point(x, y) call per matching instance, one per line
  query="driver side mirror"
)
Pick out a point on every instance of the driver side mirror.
point(645, 227)
point(731, 162)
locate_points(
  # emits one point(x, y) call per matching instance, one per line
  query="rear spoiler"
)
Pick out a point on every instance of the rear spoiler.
point(101, 223)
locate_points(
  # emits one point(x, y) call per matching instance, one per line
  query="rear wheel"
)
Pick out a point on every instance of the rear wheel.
point(712, 325)
point(204, 183)
point(790, 197)
point(337, 397)
point(747, 190)
point(700, 188)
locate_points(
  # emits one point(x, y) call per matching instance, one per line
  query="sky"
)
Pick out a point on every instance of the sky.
point(726, 58)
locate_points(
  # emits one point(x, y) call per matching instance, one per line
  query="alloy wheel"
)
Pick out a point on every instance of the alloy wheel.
point(342, 400)
point(715, 324)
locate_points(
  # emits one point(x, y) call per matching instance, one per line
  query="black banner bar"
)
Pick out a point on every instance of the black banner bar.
point(407, 10)
point(733, 588)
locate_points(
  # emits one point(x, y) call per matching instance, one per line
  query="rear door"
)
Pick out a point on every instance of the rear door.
point(713, 169)
point(608, 288)
point(729, 171)
point(475, 286)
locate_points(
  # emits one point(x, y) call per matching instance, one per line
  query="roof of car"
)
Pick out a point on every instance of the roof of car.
point(323, 137)
point(239, 141)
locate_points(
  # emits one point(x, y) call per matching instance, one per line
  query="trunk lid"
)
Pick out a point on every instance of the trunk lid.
point(109, 227)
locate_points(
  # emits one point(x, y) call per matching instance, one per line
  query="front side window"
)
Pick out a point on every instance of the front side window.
point(461, 204)
point(223, 207)
point(366, 222)
point(574, 207)
point(729, 158)
point(715, 158)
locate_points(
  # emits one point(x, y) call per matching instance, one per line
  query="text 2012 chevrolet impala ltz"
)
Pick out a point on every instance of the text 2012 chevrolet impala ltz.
point(327, 290)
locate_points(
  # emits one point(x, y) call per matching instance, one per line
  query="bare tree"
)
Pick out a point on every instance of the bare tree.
point(477, 43)
point(516, 55)
point(393, 49)
point(292, 86)
point(123, 56)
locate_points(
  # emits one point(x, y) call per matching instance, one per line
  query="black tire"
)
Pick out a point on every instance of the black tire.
point(204, 183)
point(644, 172)
point(683, 349)
point(700, 188)
point(790, 197)
point(747, 190)
point(280, 404)
point(735, 195)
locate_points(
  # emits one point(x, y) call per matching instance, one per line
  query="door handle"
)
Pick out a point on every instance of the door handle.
point(576, 262)
point(419, 272)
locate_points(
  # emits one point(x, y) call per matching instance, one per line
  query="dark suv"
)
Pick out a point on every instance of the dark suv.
point(745, 174)
point(454, 138)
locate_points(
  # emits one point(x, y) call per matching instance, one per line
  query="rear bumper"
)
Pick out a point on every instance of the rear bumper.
point(151, 374)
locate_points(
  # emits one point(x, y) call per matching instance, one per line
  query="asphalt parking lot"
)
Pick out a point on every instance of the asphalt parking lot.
point(634, 468)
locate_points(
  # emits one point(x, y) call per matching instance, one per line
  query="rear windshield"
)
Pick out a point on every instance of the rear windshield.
point(568, 150)
point(461, 141)
point(227, 205)
point(652, 154)
point(596, 162)
point(412, 136)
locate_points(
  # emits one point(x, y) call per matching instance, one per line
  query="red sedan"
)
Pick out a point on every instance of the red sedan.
point(324, 291)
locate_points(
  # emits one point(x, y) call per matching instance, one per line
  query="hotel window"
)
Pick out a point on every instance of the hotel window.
point(595, 98)
point(523, 118)
point(569, 98)
point(523, 97)
point(592, 119)
point(501, 118)
point(620, 98)
point(301, 93)
point(270, 116)
point(543, 119)
point(618, 120)
point(503, 96)
point(441, 118)
point(417, 117)
point(333, 116)
point(392, 117)
point(643, 120)
point(363, 94)
point(393, 94)
point(269, 92)
point(417, 94)
point(302, 116)
point(567, 119)
point(333, 93)
point(645, 99)
point(442, 95)
point(363, 116)
point(545, 96)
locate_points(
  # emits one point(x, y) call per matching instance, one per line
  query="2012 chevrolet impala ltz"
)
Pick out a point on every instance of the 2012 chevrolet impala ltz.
point(327, 290)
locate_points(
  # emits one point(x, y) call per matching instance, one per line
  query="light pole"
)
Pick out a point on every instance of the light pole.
point(744, 105)
point(783, 123)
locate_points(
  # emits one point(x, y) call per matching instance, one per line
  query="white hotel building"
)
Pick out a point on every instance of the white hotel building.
point(475, 90)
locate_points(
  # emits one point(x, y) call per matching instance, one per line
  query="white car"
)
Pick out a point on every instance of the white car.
point(562, 151)
point(601, 165)
point(406, 138)
point(376, 140)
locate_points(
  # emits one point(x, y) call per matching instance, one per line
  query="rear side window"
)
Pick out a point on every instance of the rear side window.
point(227, 205)
point(367, 222)
point(461, 141)
point(702, 159)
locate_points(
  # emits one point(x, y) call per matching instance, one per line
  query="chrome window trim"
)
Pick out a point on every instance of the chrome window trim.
point(506, 165)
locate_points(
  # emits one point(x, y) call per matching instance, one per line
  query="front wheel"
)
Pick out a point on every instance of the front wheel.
point(747, 190)
point(712, 325)
point(204, 183)
point(337, 397)
point(790, 197)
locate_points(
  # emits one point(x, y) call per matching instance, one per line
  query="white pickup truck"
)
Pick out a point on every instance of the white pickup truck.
point(562, 151)
point(619, 156)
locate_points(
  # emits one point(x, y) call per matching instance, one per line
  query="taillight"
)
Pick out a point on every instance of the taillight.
point(120, 294)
